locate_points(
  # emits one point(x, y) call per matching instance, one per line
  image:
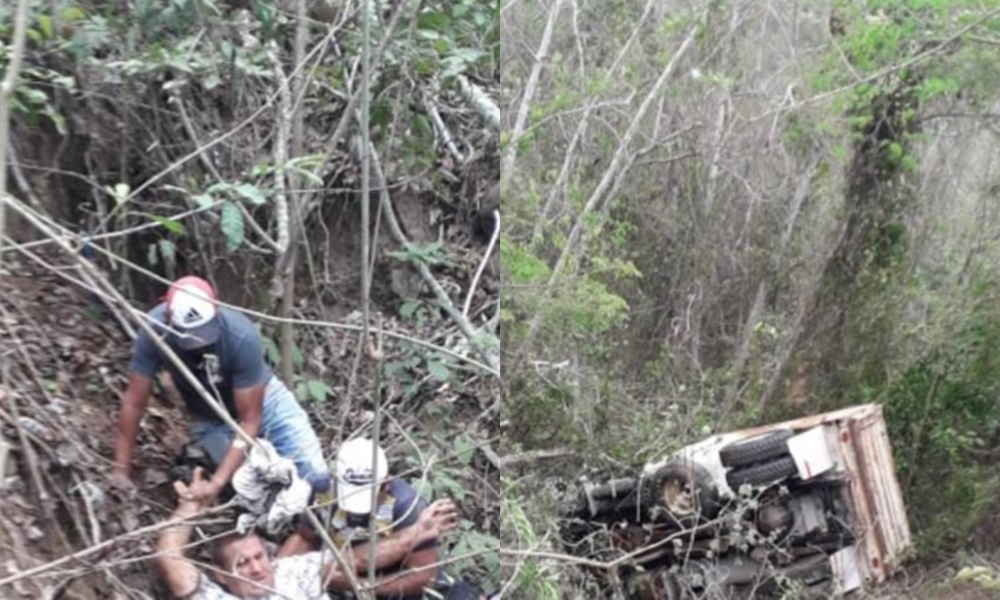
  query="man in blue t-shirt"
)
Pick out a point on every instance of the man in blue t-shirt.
point(223, 350)
point(407, 530)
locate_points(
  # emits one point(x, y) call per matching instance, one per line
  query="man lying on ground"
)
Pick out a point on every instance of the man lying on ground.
point(407, 529)
point(244, 567)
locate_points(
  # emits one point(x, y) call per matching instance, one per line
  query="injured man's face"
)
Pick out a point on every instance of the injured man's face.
point(251, 563)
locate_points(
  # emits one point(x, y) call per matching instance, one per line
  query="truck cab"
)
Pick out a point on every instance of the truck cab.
point(811, 503)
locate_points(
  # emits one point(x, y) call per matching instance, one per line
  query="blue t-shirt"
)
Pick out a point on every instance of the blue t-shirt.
point(235, 362)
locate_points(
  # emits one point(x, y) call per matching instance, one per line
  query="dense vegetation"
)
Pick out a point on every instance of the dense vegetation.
point(226, 138)
point(722, 213)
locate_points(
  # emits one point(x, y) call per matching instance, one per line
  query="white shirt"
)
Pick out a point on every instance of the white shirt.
point(295, 578)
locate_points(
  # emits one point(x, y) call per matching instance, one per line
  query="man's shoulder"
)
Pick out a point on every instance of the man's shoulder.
point(156, 318)
point(408, 504)
point(402, 490)
point(236, 324)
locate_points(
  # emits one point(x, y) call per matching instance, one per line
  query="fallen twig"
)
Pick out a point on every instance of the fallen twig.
point(446, 138)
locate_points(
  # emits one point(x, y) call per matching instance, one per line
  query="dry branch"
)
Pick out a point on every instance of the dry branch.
point(481, 101)
point(483, 263)
point(510, 153)
point(615, 173)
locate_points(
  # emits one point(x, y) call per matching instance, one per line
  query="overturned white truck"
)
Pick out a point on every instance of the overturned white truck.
point(811, 505)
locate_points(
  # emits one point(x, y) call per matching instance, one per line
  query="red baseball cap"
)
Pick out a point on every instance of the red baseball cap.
point(192, 312)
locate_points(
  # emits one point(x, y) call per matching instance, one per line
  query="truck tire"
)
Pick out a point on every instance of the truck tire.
point(762, 474)
point(755, 450)
point(686, 491)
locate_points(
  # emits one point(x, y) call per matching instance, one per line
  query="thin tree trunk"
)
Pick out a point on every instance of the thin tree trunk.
point(510, 153)
point(6, 92)
point(581, 131)
point(616, 171)
point(753, 317)
point(294, 205)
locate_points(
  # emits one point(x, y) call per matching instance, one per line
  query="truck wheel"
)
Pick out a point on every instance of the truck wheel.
point(755, 450)
point(762, 474)
point(686, 491)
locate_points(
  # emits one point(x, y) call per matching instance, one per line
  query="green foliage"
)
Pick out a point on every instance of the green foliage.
point(306, 389)
point(432, 254)
point(413, 364)
point(534, 579)
point(520, 265)
point(232, 225)
point(943, 413)
point(475, 554)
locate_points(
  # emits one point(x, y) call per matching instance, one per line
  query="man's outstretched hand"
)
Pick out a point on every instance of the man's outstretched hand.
point(438, 518)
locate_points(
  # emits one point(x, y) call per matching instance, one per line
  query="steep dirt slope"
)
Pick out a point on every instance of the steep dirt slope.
point(63, 357)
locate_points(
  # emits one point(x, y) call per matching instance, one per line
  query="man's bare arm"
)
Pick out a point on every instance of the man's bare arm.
point(434, 520)
point(134, 403)
point(177, 572)
point(249, 410)
point(416, 574)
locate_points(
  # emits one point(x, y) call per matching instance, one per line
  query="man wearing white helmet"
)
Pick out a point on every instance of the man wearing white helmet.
point(407, 530)
point(223, 350)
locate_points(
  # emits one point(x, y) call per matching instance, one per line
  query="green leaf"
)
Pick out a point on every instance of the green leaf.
point(251, 193)
point(202, 200)
point(301, 391)
point(271, 350)
point(463, 450)
point(232, 226)
point(119, 192)
point(423, 488)
point(433, 20)
point(169, 224)
point(45, 23)
point(439, 371)
point(408, 309)
point(71, 14)
point(33, 96)
point(66, 82)
point(312, 177)
point(211, 82)
point(317, 390)
point(452, 487)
